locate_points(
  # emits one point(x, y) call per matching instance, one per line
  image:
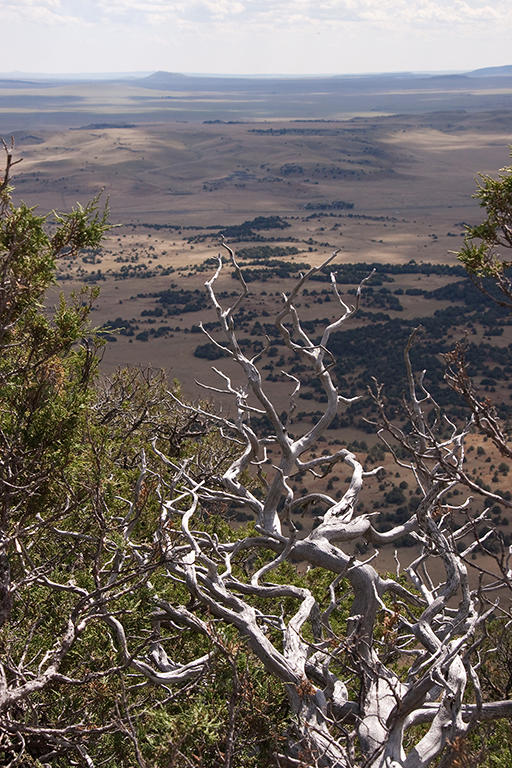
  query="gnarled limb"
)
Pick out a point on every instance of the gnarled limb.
point(434, 625)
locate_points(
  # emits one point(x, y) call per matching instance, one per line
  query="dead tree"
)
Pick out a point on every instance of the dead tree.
point(411, 648)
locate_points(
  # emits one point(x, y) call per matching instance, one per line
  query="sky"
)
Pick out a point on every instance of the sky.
point(301, 37)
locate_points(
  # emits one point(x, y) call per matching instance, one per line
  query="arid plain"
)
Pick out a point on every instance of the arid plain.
point(381, 168)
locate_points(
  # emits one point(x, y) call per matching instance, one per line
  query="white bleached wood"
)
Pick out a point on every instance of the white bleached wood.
point(431, 627)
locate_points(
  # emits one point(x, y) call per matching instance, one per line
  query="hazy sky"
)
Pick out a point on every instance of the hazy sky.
point(254, 36)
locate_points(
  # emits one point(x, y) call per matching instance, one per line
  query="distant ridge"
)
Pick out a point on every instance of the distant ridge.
point(167, 80)
point(164, 77)
point(486, 71)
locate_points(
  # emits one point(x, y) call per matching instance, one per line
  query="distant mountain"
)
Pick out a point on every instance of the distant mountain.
point(490, 71)
point(163, 77)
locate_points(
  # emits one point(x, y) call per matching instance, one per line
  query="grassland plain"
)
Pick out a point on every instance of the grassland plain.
point(326, 165)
